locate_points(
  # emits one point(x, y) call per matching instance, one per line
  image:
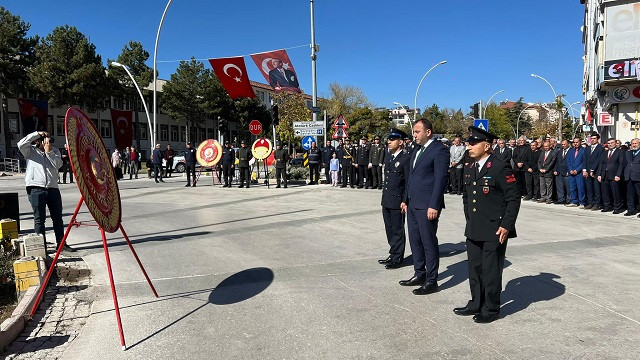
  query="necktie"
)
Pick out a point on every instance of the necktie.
point(610, 152)
point(564, 153)
point(477, 168)
point(418, 155)
point(501, 150)
point(575, 154)
point(545, 156)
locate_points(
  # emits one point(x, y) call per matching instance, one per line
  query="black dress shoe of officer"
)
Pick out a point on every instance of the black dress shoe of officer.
point(427, 288)
point(385, 261)
point(607, 210)
point(629, 213)
point(465, 311)
point(393, 265)
point(414, 281)
point(483, 318)
point(619, 211)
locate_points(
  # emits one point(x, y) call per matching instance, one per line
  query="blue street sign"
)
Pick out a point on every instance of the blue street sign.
point(307, 140)
point(482, 124)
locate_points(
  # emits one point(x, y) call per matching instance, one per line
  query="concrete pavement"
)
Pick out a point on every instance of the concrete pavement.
point(292, 274)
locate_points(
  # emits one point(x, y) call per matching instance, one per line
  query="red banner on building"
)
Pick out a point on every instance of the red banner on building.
point(33, 114)
point(277, 69)
point(233, 76)
point(122, 127)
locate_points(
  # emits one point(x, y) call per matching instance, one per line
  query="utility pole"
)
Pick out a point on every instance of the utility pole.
point(314, 49)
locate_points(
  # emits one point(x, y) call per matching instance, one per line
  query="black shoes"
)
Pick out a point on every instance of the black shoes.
point(188, 185)
point(465, 311)
point(277, 186)
point(607, 209)
point(629, 213)
point(194, 185)
point(588, 207)
point(618, 211)
point(385, 261)
point(595, 207)
point(483, 318)
point(241, 186)
point(414, 281)
point(393, 265)
point(427, 288)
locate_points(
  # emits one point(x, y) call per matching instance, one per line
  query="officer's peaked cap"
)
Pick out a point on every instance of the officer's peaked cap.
point(477, 135)
point(396, 134)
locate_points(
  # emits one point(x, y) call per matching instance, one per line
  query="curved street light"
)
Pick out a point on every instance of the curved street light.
point(402, 106)
point(144, 103)
point(487, 104)
point(555, 96)
point(155, 75)
point(415, 100)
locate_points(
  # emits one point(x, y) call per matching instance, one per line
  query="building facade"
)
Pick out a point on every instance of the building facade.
point(611, 82)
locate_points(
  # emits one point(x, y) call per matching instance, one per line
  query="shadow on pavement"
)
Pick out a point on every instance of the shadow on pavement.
point(450, 249)
point(111, 243)
point(236, 288)
point(524, 291)
point(458, 273)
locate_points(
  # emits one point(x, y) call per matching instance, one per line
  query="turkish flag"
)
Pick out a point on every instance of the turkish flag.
point(233, 76)
point(277, 69)
point(122, 127)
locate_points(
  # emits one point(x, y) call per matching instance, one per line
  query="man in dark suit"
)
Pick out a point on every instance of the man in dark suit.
point(361, 163)
point(532, 173)
point(396, 170)
point(590, 163)
point(561, 172)
point(424, 200)
point(244, 156)
point(281, 156)
point(502, 152)
point(280, 77)
point(632, 175)
point(520, 154)
point(546, 164)
point(611, 170)
point(575, 158)
point(228, 163)
point(491, 204)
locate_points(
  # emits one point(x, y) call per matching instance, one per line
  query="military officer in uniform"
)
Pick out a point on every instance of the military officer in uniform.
point(396, 170)
point(282, 159)
point(346, 154)
point(244, 155)
point(362, 162)
point(228, 160)
point(491, 203)
point(376, 159)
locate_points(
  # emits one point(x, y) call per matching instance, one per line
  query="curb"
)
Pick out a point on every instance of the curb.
point(12, 327)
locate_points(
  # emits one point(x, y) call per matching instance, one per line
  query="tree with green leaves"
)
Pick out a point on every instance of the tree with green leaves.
point(68, 71)
point(134, 56)
point(245, 110)
point(499, 121)
point(437, 119)
point(365, 122)
point(291, 107)
point(518, 120)
point(344, 99)
point(17, 54)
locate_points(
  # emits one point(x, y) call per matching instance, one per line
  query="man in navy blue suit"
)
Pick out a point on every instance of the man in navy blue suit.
point(576, 180)
point(590, 163)
point(609, 177)
point(424, 200)
point(561, 173)
point(632, 175)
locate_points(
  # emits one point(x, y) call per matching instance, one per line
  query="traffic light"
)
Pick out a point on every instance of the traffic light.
point(276, 118)
point(222, 125)
point(475, 110)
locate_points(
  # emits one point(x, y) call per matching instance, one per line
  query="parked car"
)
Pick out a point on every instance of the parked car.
point(297, 161)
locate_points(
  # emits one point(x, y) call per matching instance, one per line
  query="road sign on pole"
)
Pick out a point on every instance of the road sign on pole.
point(255, 127)
point(340, 122)
point(306, 142)
point(482, 124)
point(339, 134)
point(305, 132)
point(307, 124)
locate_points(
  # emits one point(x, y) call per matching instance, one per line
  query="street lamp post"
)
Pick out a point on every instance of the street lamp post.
point(402, 106)
point(415, 100)
point(555, 96)
point(144, 103)
point(487, 104)
point(155, 74)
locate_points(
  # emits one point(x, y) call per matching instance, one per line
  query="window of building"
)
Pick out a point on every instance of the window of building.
point(183, 133)
point(13, 123)
point(60, 126)
point(50, 124)
point(142, 131)
point(210, 133)
point(201, 134)
point(95, 123)
point(174, 132)
point(164, 132)
point(105, 128)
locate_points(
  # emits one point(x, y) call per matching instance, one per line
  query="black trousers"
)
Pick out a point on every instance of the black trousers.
point(348, 175)
point(227, 174)
point(424, 244)
point(593, 191)
point(486, 261)
point(633, 191)
point(157, 168)
point(168, 168)
point(362, 174)
point(66, 168)
point(456, 179)
point(519, 175)
point(281, 173)
point(394, 226)
point(533, 184)
point(314, 173)
point(562, 189)
point(611, 194)
point(245, 176)
point(376, 176)
point(191, 172)
point(327, 173)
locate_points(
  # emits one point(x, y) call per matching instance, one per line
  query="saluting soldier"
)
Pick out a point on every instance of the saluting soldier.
point(491, 203)
point(376, 159)
point(346, 154)
point(244, 155)
point(282, 158)
point(396, 171)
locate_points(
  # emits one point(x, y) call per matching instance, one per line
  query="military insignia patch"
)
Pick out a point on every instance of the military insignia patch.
point(397, 163)
point(485, 190)
point(511, 179)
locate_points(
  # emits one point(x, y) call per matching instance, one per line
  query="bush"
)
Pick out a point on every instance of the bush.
point(7, 278)
point(297, 173)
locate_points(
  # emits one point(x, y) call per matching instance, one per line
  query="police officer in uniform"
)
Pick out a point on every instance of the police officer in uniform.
point(228, 163)
point(244, 155)
point(362, 162)
point(190, 162)
point(315, 158)
point(282, 158)
point(346, 154)
point(491, 203)
point(396, 171)
point(376, 159)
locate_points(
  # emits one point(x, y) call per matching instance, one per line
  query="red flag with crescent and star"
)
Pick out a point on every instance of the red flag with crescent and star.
point(123, 127)
point(277, 69)
point(233, 76)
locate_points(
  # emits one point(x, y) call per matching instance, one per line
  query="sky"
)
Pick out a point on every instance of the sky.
point(383, 47)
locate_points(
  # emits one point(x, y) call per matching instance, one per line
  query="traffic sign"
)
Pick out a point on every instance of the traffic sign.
point(306, 142)
point(605, 119)
point(305, 132)
point(307, 124)
point(255, 127)
point(339, 134)
point(482, 124)
point(340, 122)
